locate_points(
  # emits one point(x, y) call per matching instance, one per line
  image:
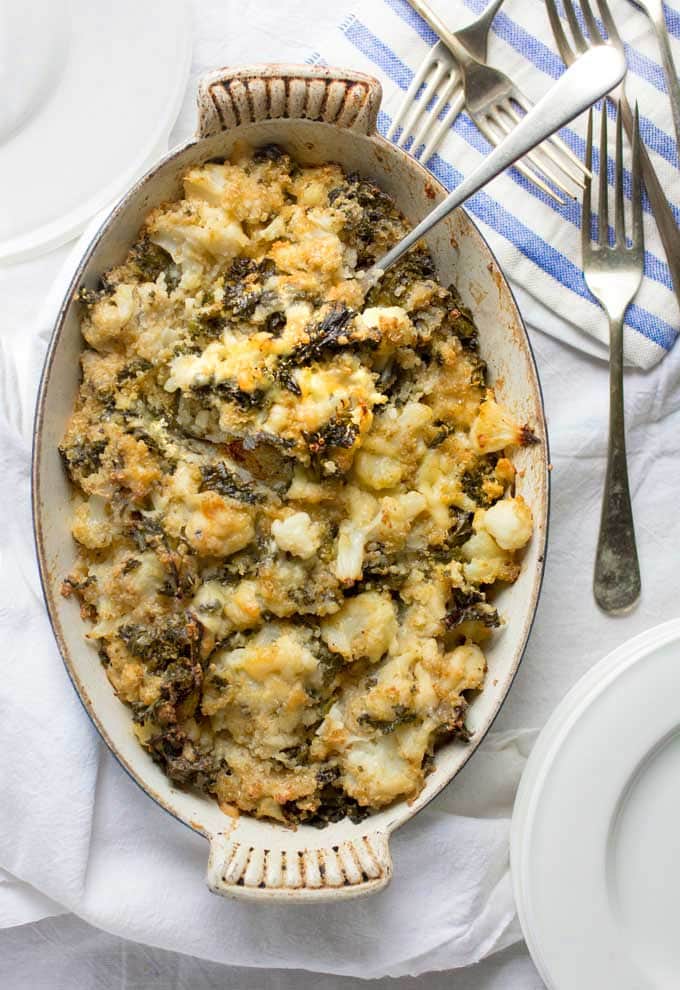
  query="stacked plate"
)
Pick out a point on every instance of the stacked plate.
point(595, 842)
point(90, 94)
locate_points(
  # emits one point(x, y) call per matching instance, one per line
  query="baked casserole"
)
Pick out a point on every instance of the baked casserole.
point(293, 493)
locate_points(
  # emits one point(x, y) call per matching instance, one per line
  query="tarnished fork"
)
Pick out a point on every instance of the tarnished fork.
point(454, 74)
point(613, 274)
point(663, 215)
point(440, 75)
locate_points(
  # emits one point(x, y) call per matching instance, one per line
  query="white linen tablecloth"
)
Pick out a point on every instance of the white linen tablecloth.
point(569, 634)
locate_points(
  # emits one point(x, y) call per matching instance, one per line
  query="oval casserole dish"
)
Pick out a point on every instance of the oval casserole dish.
point(317, 114)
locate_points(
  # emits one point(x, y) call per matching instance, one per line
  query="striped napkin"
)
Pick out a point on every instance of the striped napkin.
point(536, 241)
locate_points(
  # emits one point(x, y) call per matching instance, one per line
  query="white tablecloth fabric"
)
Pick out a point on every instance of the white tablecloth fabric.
point(569, 635)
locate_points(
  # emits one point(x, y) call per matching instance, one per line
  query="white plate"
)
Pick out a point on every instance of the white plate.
point(595, 840)
point(90, 93)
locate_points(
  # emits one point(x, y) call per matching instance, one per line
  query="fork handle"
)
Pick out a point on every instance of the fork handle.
point(672, 84)
point(456, 47)
point(663, 215)
point(616, 584)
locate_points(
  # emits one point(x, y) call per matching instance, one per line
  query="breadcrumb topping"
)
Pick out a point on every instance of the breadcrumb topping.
point(293, 493)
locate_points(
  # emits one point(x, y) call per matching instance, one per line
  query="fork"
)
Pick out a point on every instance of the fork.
point(439, 69)
point(654, 11)
point(454, 76)
point(665, 221)
point(613, 274)
point(591, 76)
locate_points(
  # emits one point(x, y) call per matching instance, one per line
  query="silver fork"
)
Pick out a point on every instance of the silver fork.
point(440, 74)
point(665, 221)
point(452, 74)
point(613, 274)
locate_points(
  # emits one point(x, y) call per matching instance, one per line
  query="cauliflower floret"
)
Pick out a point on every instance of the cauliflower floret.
point(353, 534)
point(257, 786)
point(198, 234)
point(259, 692)
point(461, 670)
point(377, 471)
point(221, 609)
point(487, 562)
point(146, 579)
point(313, 194)
point(276, 651)
point(208, 604)
point(217, 529)
point(238, 193)
point(509, 522)
point(304, 488)
point(232, 358)
point(111, 318)
point(332, 735)
point(376, 772)
point(364, 627)
point(393, 690)
point(319, 253)
point(390, 524)
point(393, 522)
point(242, 607)
point(346, 390)
point(393, 323)
point(91, 524)
point(494, 429)
point(137, 468)
point(399, 432)
point(297, 534)
point(121, 589)
point(184, 483)
point(425, 696)
point(426, 596)
point(351, 542)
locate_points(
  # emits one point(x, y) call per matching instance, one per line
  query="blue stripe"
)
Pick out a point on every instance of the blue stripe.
point(492, 213)
point(372, 47)
point(672, 21)
point(548, 62)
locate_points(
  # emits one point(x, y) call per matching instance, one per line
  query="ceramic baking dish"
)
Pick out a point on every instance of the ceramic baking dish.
point(317, 114)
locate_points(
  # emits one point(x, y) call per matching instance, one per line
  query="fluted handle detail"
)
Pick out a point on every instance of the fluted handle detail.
point(228, 98)
point(294, 871)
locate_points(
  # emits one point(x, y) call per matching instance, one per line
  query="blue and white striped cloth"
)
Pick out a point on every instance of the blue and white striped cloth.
point(536, 241)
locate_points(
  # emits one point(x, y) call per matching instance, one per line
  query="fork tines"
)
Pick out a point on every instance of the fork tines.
point(620, 243)
point(581, 43)
point(446, 83)
point(443, 83)
point(551, 160)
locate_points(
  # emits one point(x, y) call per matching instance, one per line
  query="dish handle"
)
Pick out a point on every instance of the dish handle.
point(228, 97)
point(287, 869)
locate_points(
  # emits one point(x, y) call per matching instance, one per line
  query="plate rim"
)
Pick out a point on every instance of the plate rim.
point(552, 737)
point(47, 236)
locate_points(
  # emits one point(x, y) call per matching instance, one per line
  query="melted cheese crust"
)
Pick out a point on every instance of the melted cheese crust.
point(291, 496)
